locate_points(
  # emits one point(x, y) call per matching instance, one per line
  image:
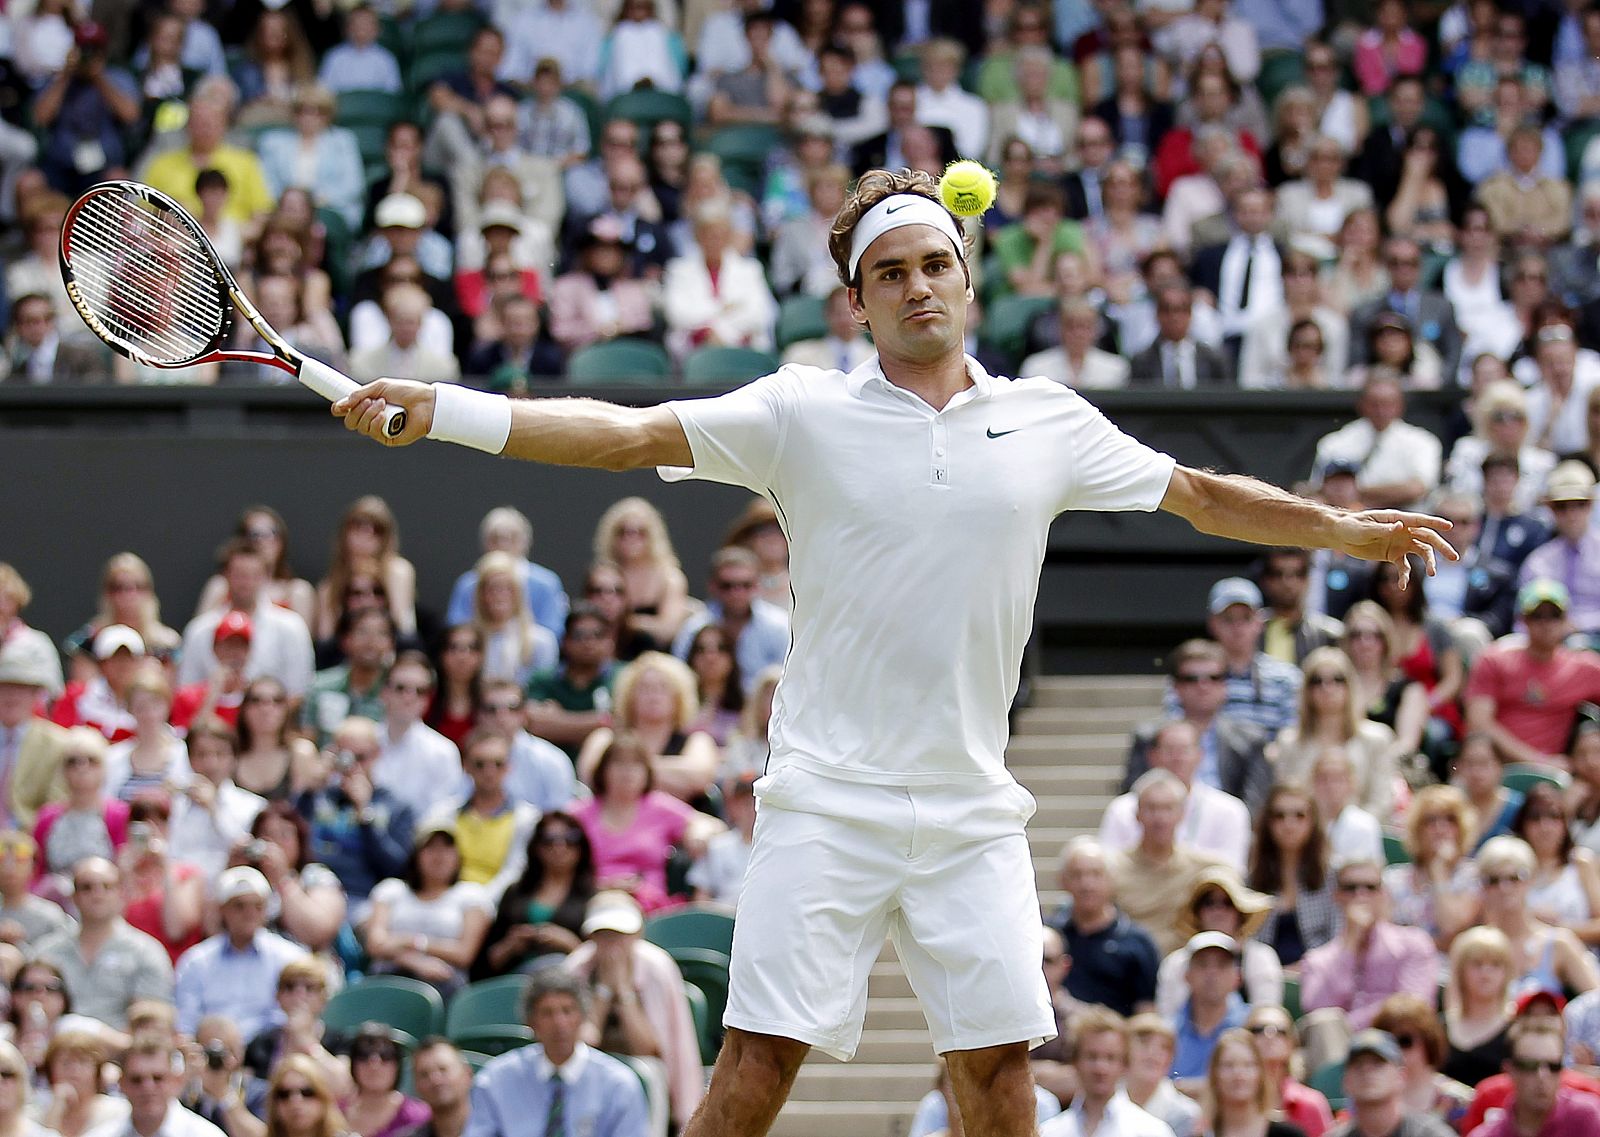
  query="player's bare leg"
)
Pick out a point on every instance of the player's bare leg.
point(994, 1088)
point(749, 1085)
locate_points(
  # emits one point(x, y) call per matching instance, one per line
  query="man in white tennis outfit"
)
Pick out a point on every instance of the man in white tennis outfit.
point(917, 494)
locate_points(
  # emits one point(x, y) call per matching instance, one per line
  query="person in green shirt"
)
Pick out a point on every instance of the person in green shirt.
point(569, 701)
point(367, 639)
point(1026, 250)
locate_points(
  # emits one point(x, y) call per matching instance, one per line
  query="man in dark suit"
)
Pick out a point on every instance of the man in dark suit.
point(1082, 186)
point(1378, 163)
point(36, 354)
point(1428, 311)
point(521, 357)
point(884, 151)
point(1235, 751)
point(1245, 272)
point(1176, 360)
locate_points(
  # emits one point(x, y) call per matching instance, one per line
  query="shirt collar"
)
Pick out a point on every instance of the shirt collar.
point(253, 949)
point(870, 370)
point(569, 1072)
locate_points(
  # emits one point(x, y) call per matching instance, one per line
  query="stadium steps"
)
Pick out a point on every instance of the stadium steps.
point(1067, 748)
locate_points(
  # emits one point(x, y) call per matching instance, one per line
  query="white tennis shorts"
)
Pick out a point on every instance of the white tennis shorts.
point(836, 865)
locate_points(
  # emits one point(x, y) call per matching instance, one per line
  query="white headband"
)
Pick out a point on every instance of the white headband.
point(893, 212)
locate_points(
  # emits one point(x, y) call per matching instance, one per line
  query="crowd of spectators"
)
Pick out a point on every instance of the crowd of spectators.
point(208, 830)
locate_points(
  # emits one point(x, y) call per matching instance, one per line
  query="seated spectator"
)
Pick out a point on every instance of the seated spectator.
point(280, 645)
point(1212, 99)
point(1388, 49)
point(35, 353)
point(1526, 728)
point(1289, 861)
point(1268, 356)
point(429, 923)
point(311, 331)
point(378, 1107)
point(1213, 821)
point(887, 150)
point(714, 295)
point(1508, 533)
point(302, 996)
point(1370, 959)
point(74, 1070)
point(1151, 1045)
point(1477, 1004)
point(492, 825)
point(1424, 197)
point(1564, 889)
point(843, 348)
point(632, 535)
point(1037, 116)
point(637, 1005)
point(1478, 773)
point(1426, 651)
point(1114, 960)
point(1357, 276)
point(1500, 428)
point(541, 915)
point(211, 814)
point(601, 298)
point(285, 248)
point(24, 917)
point(757, 91)
point(83, 107)
point(101, 701)
point(1438, 891)
point(235, 972)
point(1352, 831)
point(719, 686)
point(1261, 690)
point(127, 597)
point(509, 531)
point(634, 827)
point(35, 744)
point(800, 262)
point(1420, 1036)
point(1212, 1005)
point(552, 125)
point(1277, 1045)
point(153, 757)
point(1426, 310)
point(127, 964)
point(368, 538)
point(205, 148)
point(718, 875)
point(165, 896)
point(1481, 150)
point(534, 198)
point(1541, 1101)
point(603, 1096)
point(402, 173)
point(1293, 629)
point(317, 156)
point(519, 356)
point(1392, 349)
point(367, 642)
point(416, 764)
point(1239, 1093)
point(1388, 696)
point(515, 644)
point(1526, 205)
point(1026, 250)
point(1221, 903)
point(1154, 878)
point(941, 101)
point(1570, 555)
point(655, 703)
point(564, 702)
point(359, 830)
point(640, 48)
point(1564, 379)
point(1398, 463)
point(405, 309)
point(307, 903)
point(1317, 204)
point(1375, 1082)
point(273, 763)
point(359, 62)
point(1078, 363)
point(1545, 955)
point(1100, 1047)
point(1177, 360)
point(1331, 716)
point(759, 628)
point(87, 822)
point(405, 229)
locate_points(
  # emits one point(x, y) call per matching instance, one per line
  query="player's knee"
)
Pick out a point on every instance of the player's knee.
point(761, 1064)
point(990, 1068)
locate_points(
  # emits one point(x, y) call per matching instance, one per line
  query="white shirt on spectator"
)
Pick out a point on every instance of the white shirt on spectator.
point(369, 328)
point(1403, 452)
point(1260, 256)
point(179, 1122)
point(280, 646)
point(570, 35)
point(1121, 1119)
point(1569, 431)
point(721, 871)
point(1213, 822)
point(422, 768)
point(1355, 834)
point(724, 50)
point(347, 67)
point(119, 764)
point(964, 114)
point(1100, 368)
point(204, 838)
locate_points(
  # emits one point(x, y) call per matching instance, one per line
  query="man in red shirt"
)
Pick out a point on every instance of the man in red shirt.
point(1525, 695)
point(1540, 1106)
point(1544, 1008)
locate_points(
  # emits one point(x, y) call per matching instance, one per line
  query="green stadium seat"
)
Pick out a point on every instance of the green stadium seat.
point(1329, 1081)
point(396, 36)
point(370, 108)
point(652, 1088)
point(338, 252)
point(1278, 72)
point(474, 1060)
point(801, 318)
point(707, 970)
point(372, 139)
point(1576, 140)
point(396, 1001)
point(1291, 997)
point(693, 926)
point(700, 1011)
point(591, 111)
point(743, 150)
point(647, 107)
point(434, 65)
point(494, 1040)
point(446, 31)
point(1520, 776)
point(1394, 849)
point(907, 67)
point(1005, 324)
point(491, 1002)
point(711, 366)
point(619, 363)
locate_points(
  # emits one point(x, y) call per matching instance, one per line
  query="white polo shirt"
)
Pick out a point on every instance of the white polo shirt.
point(915, 542)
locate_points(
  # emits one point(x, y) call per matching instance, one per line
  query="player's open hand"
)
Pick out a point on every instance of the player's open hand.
point(1395, 536)
point(362, 409)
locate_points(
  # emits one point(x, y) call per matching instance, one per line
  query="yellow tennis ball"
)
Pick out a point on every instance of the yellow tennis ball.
point(967, 188)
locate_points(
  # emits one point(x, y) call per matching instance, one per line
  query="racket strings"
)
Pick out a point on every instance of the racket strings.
point(146, 279)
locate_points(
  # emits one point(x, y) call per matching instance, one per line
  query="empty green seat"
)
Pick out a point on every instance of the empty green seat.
point(1520, 776)
point(446, 31)
point(1005, 324)
point(491, 1002)
point(619, 363)
point(368, 108)
point(712, 366)
point(707, 970)
point(397, 1001)
point(494, 1039)
point(693, 926)
point(1394, 849)
point(648, 107)
point(801, 318)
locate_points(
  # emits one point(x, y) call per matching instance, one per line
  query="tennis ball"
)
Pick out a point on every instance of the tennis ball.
point(967, 188)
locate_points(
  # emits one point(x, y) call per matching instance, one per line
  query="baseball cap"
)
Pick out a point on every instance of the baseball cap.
point(1378, 1042)
point(1203, 940)
point(613, 911)
point(400, 211)
point(1537, 592)
point(1336, 467)
point(431, 829)
point(27, 662)
point(1569, 481)
point(1541, 994)
point(502, 215)
point(240, 882)
point(1230, 591)
point(1392, 320)
point(114, 638)
point(234, 623)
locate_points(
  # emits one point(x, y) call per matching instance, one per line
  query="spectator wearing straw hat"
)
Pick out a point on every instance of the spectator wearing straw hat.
point(1220, 902)
point(1572, 556)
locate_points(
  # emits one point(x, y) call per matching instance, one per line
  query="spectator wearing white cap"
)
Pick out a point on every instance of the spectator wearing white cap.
point(402, 223)
point(280, 643)
point(30, 746)
point(235, 972)
point(1213, 1006)
point(101, 701)
point(538, 176)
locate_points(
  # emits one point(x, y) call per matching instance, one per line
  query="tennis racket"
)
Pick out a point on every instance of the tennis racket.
point(147, 280)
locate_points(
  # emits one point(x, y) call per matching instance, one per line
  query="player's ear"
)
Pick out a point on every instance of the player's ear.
point(852, 296)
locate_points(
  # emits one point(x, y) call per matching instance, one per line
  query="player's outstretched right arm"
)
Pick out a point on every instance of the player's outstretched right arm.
point(564, 432)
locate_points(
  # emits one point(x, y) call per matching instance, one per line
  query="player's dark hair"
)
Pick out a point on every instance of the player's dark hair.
point(872, 187)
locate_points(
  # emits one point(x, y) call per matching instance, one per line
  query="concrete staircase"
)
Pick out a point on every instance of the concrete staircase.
point(1067, 750)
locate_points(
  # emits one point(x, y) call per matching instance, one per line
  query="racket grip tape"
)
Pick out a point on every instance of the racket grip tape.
point(333, 386)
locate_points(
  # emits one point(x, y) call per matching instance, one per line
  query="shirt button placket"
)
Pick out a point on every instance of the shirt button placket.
point(939, 452)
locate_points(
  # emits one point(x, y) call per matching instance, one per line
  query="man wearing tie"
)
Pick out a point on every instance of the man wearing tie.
point(1082, 186)
point(1245, 273)
point(558, 1087)
point(36, 354)
point(1176, 360)
point(1426, 310)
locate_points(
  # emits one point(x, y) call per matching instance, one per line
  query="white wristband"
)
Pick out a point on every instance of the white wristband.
point(477, 419)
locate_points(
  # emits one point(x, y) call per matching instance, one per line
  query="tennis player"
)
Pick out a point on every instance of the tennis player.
point(917, 493)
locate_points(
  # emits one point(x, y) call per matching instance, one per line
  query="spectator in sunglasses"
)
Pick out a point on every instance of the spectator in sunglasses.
point(1540, 1103)
point(301, 1103)
point(542, 914)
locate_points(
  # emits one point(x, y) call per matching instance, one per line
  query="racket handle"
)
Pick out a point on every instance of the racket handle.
point(333, 386)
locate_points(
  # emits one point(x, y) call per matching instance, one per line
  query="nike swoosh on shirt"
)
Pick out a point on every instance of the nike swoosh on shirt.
point(993, 433)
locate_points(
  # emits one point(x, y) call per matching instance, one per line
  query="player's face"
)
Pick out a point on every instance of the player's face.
point(913, 295)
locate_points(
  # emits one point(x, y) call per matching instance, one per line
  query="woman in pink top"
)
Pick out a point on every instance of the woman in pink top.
point(633, 826)
point(1387, 50)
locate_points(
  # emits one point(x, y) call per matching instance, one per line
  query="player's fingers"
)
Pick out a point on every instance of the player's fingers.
point(1435, 541)
point(1429, 559)
point(373, 390)
point(371, 420)
point(353, 410)
point(1413, 520)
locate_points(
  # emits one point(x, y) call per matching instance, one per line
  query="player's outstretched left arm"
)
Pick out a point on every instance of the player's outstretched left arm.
point(1247, 509)
point(564, 432)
